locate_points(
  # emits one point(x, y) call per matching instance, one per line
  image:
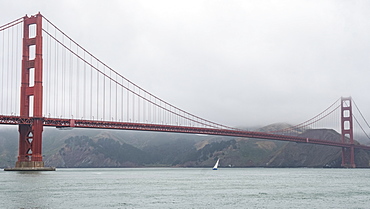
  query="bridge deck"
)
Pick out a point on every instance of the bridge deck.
point(72, 123)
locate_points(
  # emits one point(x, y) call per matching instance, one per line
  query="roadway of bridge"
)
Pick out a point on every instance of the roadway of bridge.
point(95, 124)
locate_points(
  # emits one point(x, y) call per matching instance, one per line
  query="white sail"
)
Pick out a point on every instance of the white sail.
point(216, 165)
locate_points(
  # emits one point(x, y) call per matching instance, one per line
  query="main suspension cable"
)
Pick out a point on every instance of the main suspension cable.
point(189, 116)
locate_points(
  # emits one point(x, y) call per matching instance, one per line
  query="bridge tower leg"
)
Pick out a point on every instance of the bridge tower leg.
point(30, 135)
point(348, 153)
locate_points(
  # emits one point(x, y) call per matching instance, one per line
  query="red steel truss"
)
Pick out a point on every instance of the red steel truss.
point(72, 123)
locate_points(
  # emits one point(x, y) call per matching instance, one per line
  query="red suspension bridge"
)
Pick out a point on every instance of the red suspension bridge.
point(63, 85)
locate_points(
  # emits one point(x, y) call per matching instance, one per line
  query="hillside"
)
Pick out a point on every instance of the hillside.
point(311, 155)
point(106, 148)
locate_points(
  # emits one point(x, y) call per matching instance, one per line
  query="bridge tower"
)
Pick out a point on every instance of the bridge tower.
point(30, 135)
point(348, 153)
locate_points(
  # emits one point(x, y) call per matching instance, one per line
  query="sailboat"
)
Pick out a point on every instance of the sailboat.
point(216, 165)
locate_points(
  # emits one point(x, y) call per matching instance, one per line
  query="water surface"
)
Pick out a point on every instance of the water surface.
point(187, 188)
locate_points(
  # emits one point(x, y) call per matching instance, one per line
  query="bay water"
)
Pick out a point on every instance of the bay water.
point(186, 188)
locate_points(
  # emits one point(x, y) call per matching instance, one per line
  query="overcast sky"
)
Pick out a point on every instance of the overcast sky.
point(238, 63)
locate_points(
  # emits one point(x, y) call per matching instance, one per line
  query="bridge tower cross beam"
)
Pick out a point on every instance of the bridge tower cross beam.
point(348, 153)
point(30, 135)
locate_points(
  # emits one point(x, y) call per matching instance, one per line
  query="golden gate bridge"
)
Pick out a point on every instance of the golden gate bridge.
point(48, 79)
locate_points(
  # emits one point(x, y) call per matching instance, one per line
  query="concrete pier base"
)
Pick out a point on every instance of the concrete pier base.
point(30, 166)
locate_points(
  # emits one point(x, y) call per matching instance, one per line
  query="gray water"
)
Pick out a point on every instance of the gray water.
point(186, 188)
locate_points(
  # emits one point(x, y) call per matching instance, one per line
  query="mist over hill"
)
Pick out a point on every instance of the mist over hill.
point(119, 148)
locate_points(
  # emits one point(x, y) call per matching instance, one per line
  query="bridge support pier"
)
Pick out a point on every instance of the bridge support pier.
point(348, 153)
point(348, 157)
point(30, 135)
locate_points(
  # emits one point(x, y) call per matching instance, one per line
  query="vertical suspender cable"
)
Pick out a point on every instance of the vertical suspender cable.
point(116, 104)
point(110, 97)
point(97, 92)
point(7, 75)
point(45, 75)
point(85, 84)
point(55, 73)
point(103, 93)
point(144, 110)
point(109, 100)
point(65, 74)
point(70, 82)
point(2, 86)
point(46, 97)
point(63, 79)
point(127, 106)
point(18, 68)
point(138, 106)
point(50, 55)
point(133, 105)
point(78, 82)
point(122, 109)
point(12, 92)
point(91, 89)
